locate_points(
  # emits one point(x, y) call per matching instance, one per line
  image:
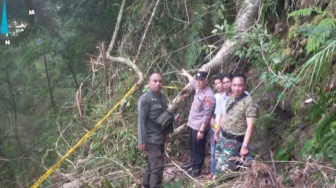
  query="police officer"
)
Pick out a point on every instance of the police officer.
point(198, 121)
point(151, 136)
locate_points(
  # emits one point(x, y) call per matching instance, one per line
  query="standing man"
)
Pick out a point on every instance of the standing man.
point(151, 135)
point(198, 121)
point(221, 101)
point(215, 122)
point(236, 126)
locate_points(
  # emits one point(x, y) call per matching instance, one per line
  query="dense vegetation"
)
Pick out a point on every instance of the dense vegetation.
point(57, 84)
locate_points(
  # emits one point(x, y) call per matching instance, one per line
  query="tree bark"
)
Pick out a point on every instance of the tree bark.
point(245, 20)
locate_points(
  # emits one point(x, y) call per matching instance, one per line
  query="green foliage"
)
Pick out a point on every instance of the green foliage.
point(266, 121)
point(285, 153)
point(107, 183)
point(268, 10)
point(194, 48)
point(318, 34)
point(305, 12)
point(66, 51)
point(318, 66)
point(323, 143)
point(267, 52)
point(219, 10)
point(120, 143)
point(177, 184)
point(223, 31)
point(284, 80)
point(222, 10)
point(177, 38)
point(282, 154)
point(321, 36)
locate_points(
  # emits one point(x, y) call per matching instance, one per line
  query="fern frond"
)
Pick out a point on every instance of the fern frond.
point(195, 47)
point(323, 126)
point(328, 141)
point(314, 64)
point(327, 22)
point(318, 34)
point(315, 113)
point(324, 133)
point(304, 12)
point(317, 39)
point(193, 51)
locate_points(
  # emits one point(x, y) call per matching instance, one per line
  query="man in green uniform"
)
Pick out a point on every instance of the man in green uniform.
point(151, 135)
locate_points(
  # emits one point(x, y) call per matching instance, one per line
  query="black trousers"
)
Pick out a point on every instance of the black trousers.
point(197, 148)
point(155, 164)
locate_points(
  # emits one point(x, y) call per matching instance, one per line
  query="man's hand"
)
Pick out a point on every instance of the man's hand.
point(186, 74)
point(215, 137)
point(177, 119)
point(212, 121)
point(168, 140)
point(141, 147)
point(243, 151)
point(200, 135)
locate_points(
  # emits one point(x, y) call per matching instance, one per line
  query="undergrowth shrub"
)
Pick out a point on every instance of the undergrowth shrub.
point(323, 143)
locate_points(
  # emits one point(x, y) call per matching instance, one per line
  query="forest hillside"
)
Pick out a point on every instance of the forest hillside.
point(74, 70)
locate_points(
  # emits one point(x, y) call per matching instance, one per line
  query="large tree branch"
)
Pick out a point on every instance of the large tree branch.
point(245, 20)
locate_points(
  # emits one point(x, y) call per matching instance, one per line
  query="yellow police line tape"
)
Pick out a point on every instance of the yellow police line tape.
point(85, 137)
point(172, 87)
point(81, 141)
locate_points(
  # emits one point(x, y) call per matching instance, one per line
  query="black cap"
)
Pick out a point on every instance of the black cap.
point(201, 75)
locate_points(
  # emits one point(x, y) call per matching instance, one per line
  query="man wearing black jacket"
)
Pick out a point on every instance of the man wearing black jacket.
point(151, 135)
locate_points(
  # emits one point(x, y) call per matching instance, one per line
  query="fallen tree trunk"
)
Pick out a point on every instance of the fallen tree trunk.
point(245, 20)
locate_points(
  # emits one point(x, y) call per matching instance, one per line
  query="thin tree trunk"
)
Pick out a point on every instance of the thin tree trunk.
point(13, 105)
point(15, 132)
point(11, 93)
point(124, 60)
point(48, 80)
point(73, 75)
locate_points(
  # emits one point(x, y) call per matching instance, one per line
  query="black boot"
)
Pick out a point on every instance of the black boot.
point(194, 172)
point(187, 166)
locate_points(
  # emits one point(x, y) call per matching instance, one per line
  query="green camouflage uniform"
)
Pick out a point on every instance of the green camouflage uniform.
point(235, 120)
point(234, 123)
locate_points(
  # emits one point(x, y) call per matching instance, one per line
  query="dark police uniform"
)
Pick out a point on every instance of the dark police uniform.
point(150, 133)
